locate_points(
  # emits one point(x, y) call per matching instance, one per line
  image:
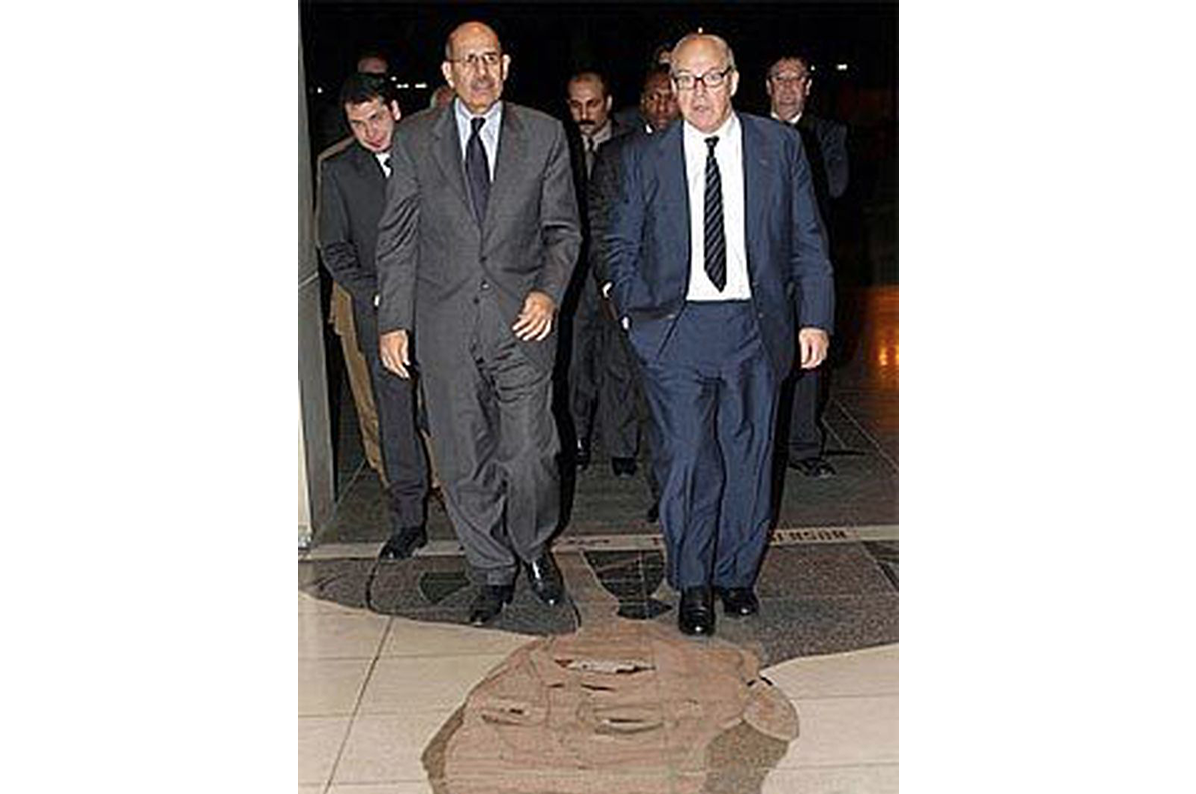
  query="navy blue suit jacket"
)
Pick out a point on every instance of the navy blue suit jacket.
point(647, 239)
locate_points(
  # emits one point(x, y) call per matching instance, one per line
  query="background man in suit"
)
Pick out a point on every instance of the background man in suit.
point(625, 417)
point(340, 302)
point(714, 245)
point(825, 142)
point(352, 193)
point(475, 249)
point(589, 105)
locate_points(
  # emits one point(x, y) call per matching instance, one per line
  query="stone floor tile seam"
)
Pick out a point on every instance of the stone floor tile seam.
point(357, 702)
point(863, 430)
point(340, 749)
point(838, 765)
point(368, 550)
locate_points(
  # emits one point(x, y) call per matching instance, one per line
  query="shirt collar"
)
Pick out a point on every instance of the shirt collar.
point(726, 131)
point(492, 114)
point(602, 135)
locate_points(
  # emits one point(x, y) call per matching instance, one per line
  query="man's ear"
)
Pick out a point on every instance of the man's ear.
point(394, 109)
point(609, 100)
point(446, 69)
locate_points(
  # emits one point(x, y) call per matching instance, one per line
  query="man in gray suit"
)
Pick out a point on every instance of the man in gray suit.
point(475, 249)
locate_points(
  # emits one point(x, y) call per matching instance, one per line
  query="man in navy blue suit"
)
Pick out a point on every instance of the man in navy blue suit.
point(715, 253)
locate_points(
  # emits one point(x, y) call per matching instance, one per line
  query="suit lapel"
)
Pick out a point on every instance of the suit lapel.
point(369, 168)
point(674, 185)
point(446, 149)
point(757, 168)
point(512, 151)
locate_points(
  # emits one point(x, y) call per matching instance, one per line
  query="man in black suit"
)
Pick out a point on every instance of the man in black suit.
point(788, 85)
point(716, 261)
point(475, 249)
point(593, 128)
point(352, 194)
point(625, 417)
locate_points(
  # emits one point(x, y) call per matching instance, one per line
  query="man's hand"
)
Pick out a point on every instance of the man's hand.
point(813, 344)
point(393, 347)
point(534, 323)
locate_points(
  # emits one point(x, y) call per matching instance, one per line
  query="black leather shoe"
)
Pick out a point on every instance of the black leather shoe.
point(488, 603)
point(817, 468)
point(696, 613)
point(623, 468)
point(581, 458)
point(402, 543)
point(544, 578)
point(738, 602)
point(653, 513)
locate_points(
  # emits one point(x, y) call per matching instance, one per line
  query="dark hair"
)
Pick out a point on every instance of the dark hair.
point(657, 70)
point(361, 87)
point(794, 56)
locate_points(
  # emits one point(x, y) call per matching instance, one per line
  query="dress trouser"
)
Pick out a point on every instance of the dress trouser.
point(496, 445)
point(585, 359)
point(713, 396)
point(403, 457)
point(806, 439)
point(624, 415)
point(341, 316)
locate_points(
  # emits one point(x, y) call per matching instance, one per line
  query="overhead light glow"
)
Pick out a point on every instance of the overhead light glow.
point(421, 85)
point(404, 86)
point(319, 90)
point(842, 67)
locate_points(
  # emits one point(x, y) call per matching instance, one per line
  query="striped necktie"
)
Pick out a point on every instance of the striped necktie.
point(716, 243)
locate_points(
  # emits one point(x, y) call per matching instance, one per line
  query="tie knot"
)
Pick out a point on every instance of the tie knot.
point(477, 124)
point(711, 142)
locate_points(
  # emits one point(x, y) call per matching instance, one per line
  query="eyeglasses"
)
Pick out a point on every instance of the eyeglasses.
point(688, 82)
point(474, 60)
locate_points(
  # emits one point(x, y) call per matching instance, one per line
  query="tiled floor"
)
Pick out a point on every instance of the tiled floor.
point(385, 660)
point(374, 690)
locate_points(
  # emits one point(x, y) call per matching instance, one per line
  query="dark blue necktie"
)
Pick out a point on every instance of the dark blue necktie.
point(716, 243)
point(477, 169)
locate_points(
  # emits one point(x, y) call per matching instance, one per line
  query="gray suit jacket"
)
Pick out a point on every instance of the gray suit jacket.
point(432, 255)
point(352, 190)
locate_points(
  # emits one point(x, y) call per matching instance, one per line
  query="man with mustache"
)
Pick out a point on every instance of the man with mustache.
point(589, 105)
point(716, 258)
point(475, 249)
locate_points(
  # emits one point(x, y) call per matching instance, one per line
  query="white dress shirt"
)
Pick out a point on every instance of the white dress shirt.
point(384, 162)
point(729, 154)
point(489, 131)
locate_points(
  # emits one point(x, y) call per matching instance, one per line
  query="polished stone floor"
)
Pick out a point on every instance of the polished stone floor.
point(385, 657)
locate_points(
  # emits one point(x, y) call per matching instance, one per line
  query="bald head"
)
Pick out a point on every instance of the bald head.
point(475, 66)
point(703, 41)
point(705, 79)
